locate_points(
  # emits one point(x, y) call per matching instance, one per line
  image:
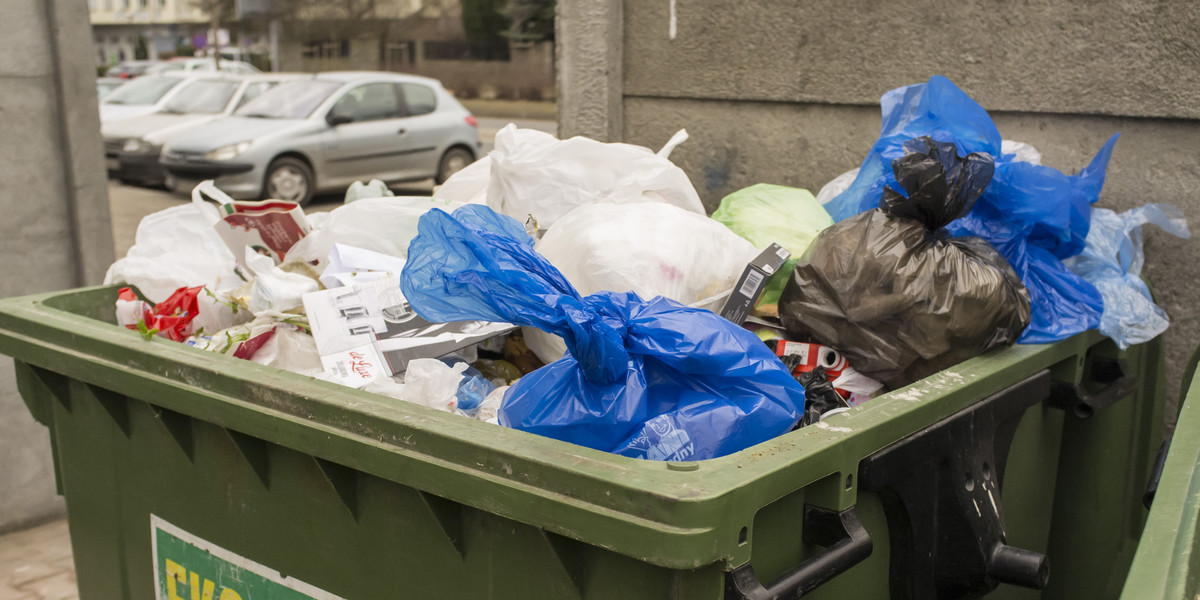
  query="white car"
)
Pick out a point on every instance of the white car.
point(131, 146)
point(188, 65)
point(141, 96)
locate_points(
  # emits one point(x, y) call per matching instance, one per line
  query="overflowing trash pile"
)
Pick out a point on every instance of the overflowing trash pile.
point(577, 289)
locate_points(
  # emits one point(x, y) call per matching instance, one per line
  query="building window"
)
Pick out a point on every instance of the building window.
point(326, 49)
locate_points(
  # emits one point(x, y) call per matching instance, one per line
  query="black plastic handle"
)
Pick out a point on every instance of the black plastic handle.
point(846, 544)
point(1156, 473)
point(1112, 373)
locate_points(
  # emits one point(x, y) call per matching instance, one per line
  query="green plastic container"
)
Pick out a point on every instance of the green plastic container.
point(195, 475)
point(1167, 564)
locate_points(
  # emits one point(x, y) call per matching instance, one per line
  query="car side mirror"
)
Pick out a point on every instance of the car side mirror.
point(335, 120)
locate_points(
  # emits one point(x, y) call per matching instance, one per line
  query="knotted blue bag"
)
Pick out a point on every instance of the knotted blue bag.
point(1035, 216)
point(649, 379)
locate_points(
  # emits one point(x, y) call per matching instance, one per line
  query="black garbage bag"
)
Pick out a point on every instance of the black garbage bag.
point(818, 392)
point(892, 291)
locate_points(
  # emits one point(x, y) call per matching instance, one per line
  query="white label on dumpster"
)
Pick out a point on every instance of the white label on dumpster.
point(187, 567)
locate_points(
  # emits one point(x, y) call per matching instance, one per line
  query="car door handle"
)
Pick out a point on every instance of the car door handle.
point(402, 132)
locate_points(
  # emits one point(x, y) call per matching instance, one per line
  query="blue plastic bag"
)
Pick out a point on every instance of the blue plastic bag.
point(643, 378)
point(1112, 261)
point(1034, 215)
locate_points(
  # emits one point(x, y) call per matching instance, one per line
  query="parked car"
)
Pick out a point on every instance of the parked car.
point(131, 69)
point(132, 146)
point(188, 65)
point(105, 85)
point(141, 96)
point(326, 132)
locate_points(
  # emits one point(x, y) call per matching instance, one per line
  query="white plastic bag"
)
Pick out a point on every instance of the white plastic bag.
point(275, 289)
point(384, 225)
point(431, 382)
point(652, 249)
point(175, 248)
point(1112, 261)
point(835, 187)
point(489, 409)
point(468, 186)
point(535, 173)
point(372, 189)
point(1024, 152)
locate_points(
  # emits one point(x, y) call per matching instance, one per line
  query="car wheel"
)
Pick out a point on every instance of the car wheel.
point(453, 161)
point(289, 179)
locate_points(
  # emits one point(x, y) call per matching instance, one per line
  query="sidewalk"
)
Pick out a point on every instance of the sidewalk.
point(36, 564)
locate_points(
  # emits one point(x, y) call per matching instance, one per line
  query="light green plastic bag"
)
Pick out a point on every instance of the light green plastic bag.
point(766, 214)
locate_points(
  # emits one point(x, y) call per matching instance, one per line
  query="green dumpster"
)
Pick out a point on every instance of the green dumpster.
point(195, 475)
point(1167, 564)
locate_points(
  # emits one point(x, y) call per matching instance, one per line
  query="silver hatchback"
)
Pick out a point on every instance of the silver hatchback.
point(327, 131)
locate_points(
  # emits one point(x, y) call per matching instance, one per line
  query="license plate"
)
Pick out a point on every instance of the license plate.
point(112, 164)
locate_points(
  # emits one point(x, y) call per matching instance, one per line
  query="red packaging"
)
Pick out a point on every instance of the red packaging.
point(171, 317)
point(813, 356)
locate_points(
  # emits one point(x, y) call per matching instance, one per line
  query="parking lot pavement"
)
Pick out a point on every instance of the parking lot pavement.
point(36, 564)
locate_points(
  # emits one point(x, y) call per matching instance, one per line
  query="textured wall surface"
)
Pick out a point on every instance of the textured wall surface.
point(1134, 57)
point(788, 92)
point(55, 233)
point(589, 68)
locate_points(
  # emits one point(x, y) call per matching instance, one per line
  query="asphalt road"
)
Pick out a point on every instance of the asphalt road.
point(128, 204)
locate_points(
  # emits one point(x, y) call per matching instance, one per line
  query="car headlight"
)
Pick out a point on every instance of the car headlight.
point(139, 146)
point(228, 152)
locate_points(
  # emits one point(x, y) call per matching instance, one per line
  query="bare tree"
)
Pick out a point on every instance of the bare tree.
point(217, 11)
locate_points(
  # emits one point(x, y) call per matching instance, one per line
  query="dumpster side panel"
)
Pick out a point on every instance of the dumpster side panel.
point(1104, 469)
point(1167, 563)
point(348, 533)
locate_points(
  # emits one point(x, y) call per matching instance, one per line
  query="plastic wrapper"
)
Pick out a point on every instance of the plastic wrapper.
point(383, 225)
point(1112, 261)
point(1033, 215)
point(275, 289)
point(172, 318)
point(644, 378)
point(896, 295)
point(175, 248)
point(533, 173)
point(768, 214)
point(473, 388)
point(820, 393)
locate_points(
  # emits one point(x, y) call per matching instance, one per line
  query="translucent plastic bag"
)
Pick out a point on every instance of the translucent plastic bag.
point(371, 189)
point(650, 379)
point(1034, 215)
point(895, 295)
point(768, 214)
point(383, 225)
point(175, 248)
point(1112, 261)
point(533, 173)
point(651, 249)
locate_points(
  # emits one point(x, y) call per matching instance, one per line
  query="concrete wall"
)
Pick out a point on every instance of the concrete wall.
point(55, 231)
point(787, 92)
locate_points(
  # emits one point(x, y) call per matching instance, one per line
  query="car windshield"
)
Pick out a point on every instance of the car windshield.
point(143, 90)
point(204, 96)
point(105, 88)
point(291, 100)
